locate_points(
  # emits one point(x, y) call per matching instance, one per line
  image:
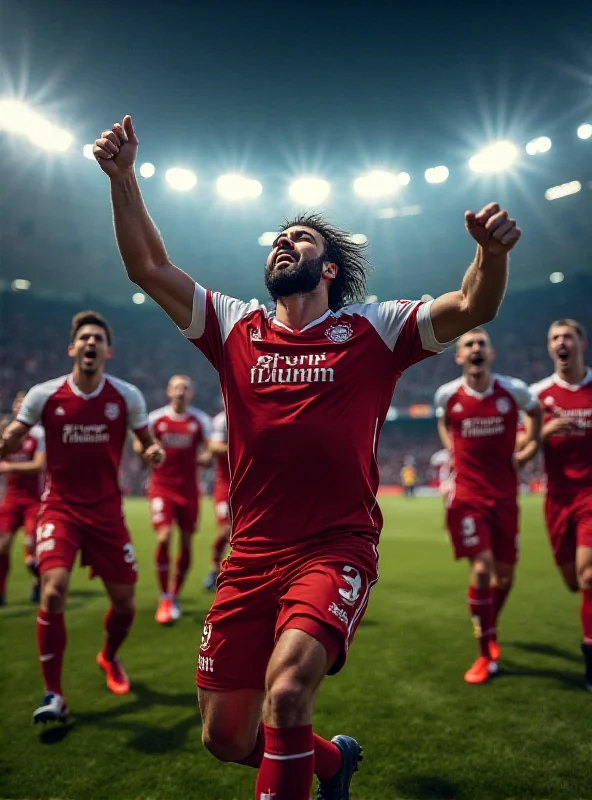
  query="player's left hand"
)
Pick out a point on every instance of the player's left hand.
point(154, 455)
point(492, 229)
point(4, 467)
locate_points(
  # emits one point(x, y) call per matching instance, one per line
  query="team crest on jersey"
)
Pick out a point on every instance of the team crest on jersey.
point(503, 405)
point(340, 332)
point(112, 411)
point(192, 427)
point(161, 427)
point(549, 400)
point(256, 335)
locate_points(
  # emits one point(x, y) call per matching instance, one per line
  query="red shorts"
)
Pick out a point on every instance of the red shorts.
point(484, 525)
point(569, 523)
point(221, 507)
point(19, 513)
point(323, 592)
point(170, 509)
point(108, 552)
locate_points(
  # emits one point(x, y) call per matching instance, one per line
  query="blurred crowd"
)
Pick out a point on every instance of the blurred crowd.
point(148, 350)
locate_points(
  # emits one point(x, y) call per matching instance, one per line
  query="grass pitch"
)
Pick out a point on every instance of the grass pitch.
point(425, 733)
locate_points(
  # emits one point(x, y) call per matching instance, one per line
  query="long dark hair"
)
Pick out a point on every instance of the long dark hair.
point(349, 285)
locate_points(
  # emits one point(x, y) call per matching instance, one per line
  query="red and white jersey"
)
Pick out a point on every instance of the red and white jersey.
point(220, 434)
point(18, 485)
point(85, 435)
point(181, 436)
point(482, 427)
point(305, 409)
point(568, 459)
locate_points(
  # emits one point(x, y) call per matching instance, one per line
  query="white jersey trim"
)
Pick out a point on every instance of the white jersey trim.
point(219, 428)
point(38, 434)
point(137, 415)
point(228, 311)
point(79, 393)
point(32, 407)
point(167, 411)
point(523, 397)
point(443, 395)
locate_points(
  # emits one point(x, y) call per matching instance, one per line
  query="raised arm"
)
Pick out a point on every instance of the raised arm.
point(484, 284)
point(140, 244)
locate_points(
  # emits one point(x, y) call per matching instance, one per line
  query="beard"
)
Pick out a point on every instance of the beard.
point(300, 278)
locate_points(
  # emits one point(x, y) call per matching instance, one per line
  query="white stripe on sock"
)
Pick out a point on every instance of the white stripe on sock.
point(273, 757)
point(47, 657)
point(42, 621)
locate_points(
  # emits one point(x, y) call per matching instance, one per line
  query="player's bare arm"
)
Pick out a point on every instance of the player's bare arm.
point(36, 465)
point(218, 448)
point(484, 284)
point(444, 434)
point(151, 451)
point(530, 441)
point(558, 426)
point(205, 455)
point(12, 437)
point(140, 244)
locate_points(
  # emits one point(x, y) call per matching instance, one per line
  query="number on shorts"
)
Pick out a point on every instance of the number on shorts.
point(45, 531)
point(157, 504)
point(468, 526)
point(129, 554)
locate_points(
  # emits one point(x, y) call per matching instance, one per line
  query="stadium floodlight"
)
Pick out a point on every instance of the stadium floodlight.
point(542, 144)
point(20, 285)
point(377, 183)
point(372, 298)
point(268, 238)
point(404, 178)
point(237, 187)
point(585, 131)
point(87, 152)
point(309, 190)
point(16, 117)
point(387, 213)
point(494, 158)
point(359, 238)
point(556, 277)
point(392, 414)
point(138, 298)
point(437, 174)
point(563, 190)
point(147, 170)
point(181, 180)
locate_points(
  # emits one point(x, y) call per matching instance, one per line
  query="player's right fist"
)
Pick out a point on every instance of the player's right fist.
point(116, 150)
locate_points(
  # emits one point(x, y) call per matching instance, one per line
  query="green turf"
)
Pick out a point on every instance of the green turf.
point(425, 733)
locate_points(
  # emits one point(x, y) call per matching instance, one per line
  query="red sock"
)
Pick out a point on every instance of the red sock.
point(326, 754)
point(218, 549)
point(117, 627)
point(162, 566)
point(182, 568)
point(498, 599)
point(586, 614)
point(4, 567)
point(287, 769)
point(480, 607)
point(51, 642)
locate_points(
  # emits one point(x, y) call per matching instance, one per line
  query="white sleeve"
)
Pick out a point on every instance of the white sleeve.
point(137, 416)
point(205, 421)
point(524, 397)
point(219, 433)
point(443, 395)
point(33, 405)
point(38, 434)
point(389, 319)
point(228, 311)
point(426, 330)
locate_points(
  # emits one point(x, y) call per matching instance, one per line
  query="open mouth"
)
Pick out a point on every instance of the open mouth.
point(477, 361)
point(563, 355)
point(89, 356)
point(284, 259)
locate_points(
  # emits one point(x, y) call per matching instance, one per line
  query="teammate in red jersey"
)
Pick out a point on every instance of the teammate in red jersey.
point(183, 431)
point(478, 417)
point(219, 450)
point(306, 392)
point(85, 416)
point(20, 504)
point(566, 398)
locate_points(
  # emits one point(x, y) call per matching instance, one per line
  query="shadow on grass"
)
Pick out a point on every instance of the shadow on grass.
point(544, 649)
point(84, 594)
point(427, 787)
point(147, 738)
point(569, 680)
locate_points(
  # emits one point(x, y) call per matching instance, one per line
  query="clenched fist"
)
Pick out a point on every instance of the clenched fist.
point(154, 455)
point(492, 229)
point(116, 149)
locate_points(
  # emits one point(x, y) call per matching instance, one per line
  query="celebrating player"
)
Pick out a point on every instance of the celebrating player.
point(478, 416)
point(85, 416)
point(306, 392)
point(566, 398)
point(219, 450)
point(20, 505)
point(183, 431)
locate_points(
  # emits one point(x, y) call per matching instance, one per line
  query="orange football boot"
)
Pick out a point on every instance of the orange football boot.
point(163, 612)
point(117, 680)
point(494, 650)
point(481, 671)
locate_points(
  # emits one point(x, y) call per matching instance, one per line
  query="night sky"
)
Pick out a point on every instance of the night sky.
point(276, 91)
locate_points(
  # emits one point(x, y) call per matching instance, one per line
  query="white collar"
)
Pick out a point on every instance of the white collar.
point(320, 319)
point(172, 414)
point(573, 387)
point(80, 393)
point(479, 395)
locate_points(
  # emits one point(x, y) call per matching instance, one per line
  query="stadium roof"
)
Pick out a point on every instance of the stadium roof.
point(276, 93)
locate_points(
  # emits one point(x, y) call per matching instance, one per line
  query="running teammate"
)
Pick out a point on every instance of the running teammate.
point(183, 431)
point(23, 473)
point(85, 416)
point(219, 450)
point(478, 417)
point(566, 398)
point(306, 392)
